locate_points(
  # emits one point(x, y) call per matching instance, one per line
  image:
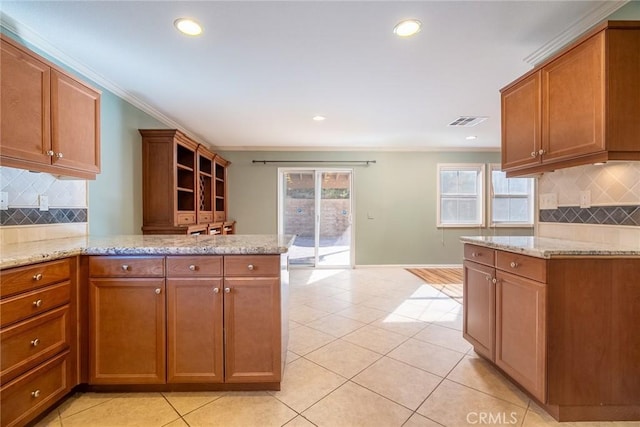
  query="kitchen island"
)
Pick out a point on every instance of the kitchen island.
point(560, 318)
point(140, 313)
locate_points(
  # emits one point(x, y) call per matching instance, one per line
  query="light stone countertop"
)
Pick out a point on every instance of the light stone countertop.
point(18, 254)
point(544, 247)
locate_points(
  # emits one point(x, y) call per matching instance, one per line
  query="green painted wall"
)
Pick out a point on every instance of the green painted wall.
point(115, 197)
point(399, 190)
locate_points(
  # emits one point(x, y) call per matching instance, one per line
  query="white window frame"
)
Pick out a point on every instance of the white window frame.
point(506, 224)
point(480, 169)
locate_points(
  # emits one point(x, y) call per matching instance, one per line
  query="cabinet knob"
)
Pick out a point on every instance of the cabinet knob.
point(158, 290)
point(35, 342)
point(533, 154)
point(37, 277)
point(513, 264)
point(216, 290)
point(50, 153)
point(227, 290)
point(494, 280)
point(541, 151)
point(250, 267)
point(192, 267)
point(37, 303)
point(126, 267)
point(488, 278)
point(475, 254)
point(59, 155)
point(35, 393)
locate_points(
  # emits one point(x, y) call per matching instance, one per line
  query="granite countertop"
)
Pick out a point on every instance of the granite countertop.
point(544, 247)
point(18, 254)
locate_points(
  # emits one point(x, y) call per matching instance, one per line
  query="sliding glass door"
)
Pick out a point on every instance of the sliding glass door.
point(316, 206)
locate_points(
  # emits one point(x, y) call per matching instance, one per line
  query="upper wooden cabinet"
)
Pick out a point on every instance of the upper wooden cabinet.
point(49, 121)
point(579, 107)
point(183, 184)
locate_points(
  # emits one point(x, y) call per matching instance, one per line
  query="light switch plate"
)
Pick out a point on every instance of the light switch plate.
point(548, 201)
point(43, 202)
point(4, 200)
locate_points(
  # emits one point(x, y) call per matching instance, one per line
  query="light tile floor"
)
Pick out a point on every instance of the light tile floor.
point(367, 347)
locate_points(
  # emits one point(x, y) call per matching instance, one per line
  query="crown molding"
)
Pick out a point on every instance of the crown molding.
point(587, 21)
point(30, 36)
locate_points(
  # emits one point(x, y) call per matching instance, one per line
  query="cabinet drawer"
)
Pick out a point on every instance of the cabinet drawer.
point(251, 265)
point(205, 217)
point(123, 266)
point(186, 219)
point(522, 265)
point(28, 343)
point(219, 216)
point(190, 266)
point(33, 303)
point(32, 393)
point(479, 254)
point(23, 279)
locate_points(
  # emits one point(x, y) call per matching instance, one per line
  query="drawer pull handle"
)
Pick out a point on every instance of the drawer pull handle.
point(126, 267)
point(513, 264)
point(250, 267)
point(35, 342)
point(192, 267)
point(35, 393)
point(475, 254)
point(158, 290)
point(37, 277)
point(37, 303)
point(216, 290)
point(227, 290)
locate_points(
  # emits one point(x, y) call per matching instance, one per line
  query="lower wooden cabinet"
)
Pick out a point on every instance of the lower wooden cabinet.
point(194, 330)
point(218, 329)
point(504, 314)
point(127, 331)
point(520, 331)
point(252, 326)
point(479, 307)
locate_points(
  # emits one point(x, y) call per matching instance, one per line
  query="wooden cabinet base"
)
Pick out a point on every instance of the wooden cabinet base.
point(273, 386)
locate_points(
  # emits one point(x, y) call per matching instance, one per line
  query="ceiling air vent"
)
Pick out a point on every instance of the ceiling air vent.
point(467, 121)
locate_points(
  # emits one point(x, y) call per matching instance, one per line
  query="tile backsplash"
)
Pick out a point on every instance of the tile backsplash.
point(614, 212)
point(611, 184)
point(67, 199)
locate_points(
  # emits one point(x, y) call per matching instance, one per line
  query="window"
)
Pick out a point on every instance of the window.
point(460, 195)
point(511, 199)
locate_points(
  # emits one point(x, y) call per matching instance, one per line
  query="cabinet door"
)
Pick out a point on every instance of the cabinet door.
point(521, 331)
point(252, 330)
point(75, 124)
point(521, 127)
point(194, 330)
point(479, 308)
point(127, 331)
point(24, 109)
point(573, 102)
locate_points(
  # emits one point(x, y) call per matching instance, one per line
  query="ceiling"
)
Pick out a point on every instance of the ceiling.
point(261, 70)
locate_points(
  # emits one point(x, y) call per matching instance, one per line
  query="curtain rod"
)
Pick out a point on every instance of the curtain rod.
point(264, 162)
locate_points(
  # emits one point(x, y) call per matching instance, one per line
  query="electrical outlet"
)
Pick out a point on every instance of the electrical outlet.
point(585, 199)
point(548, 201)
point(4, 200)
point(43, 202)
point(370, 215)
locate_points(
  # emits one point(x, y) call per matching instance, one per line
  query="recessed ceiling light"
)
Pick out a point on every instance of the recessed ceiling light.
point(319, 118)
point(407, 28)
point(188, 26)
point(470, 137)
